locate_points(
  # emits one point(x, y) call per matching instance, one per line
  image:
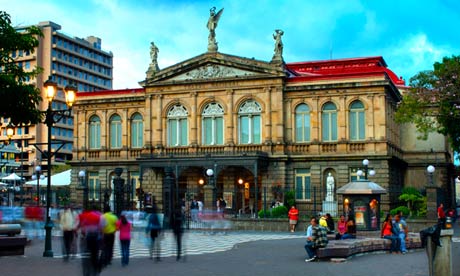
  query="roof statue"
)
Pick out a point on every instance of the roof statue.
point(212, 25)
point(278, 55)
point(153, 67)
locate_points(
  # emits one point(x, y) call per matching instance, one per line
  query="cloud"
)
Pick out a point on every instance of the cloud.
point(415, 53)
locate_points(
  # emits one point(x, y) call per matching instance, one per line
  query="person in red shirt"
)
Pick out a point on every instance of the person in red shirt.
point(442, 216)
point(293, 216)
point(91, 233)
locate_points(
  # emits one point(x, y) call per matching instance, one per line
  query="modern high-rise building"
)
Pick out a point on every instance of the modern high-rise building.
point(66, 60)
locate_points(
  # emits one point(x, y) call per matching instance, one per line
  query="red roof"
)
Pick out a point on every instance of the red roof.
point(341, 68)
point(110, 92)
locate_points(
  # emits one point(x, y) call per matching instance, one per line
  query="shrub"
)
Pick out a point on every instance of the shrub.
point(267, 213)
point(277, 212)
point(411, 196)
point(403, 209)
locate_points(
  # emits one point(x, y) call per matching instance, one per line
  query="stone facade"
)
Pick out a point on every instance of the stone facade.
point(246, 169)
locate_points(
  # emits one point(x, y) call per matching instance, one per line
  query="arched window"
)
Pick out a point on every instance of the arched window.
point(302, 123)
point(250, 123)
point(94, 132)
point(177, 126)
point(357, 121)
point(329, 122)
point(213, 124)
point(115, 132)
point(137, 131)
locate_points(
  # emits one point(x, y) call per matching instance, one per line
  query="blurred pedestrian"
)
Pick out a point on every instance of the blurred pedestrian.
point(153, 230)
point(67, 220)
point(109, 227)
point(124, 226)
point(91, 234)
point(178, 230)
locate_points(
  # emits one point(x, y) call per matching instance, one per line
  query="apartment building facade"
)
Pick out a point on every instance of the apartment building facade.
point(66, 60)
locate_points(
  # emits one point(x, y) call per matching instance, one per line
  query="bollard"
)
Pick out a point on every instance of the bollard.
point(442, 263)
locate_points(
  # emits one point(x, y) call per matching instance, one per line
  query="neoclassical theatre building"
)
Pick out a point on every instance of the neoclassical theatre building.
point(224, 126)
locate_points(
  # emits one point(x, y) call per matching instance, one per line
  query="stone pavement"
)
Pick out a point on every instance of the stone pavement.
point(235, 253)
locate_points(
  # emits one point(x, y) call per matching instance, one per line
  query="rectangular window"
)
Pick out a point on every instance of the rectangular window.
point(256, 130)
point(219, 131)
point(94, 186)
point(334, 126)
point(353, 126)
point(173, 132)
point(361, 126)
point(244, 130)
point(95, 136)
point(207, 131)
point(302, 184)
point(183, 132)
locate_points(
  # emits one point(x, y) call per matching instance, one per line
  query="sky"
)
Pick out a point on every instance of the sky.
point(410, 35)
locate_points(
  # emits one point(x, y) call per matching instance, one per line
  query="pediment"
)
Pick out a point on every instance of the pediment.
point(212, 71)
point(214, 66)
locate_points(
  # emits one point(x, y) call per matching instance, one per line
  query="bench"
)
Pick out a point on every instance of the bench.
point(349, 247)
point(10, 229)
point(10, 244)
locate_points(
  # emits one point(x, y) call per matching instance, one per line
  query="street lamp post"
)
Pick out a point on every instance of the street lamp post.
point(52, 117)
point(430, 169)
point(82, 176)
point(38, 169)
point(210, 175)
point(366, 170)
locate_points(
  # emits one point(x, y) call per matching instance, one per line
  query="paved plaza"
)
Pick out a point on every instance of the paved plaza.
point(225, 253)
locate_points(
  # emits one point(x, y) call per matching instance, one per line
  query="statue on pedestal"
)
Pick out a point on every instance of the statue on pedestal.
point(212, 25)
point(278, 55)
point(153, 67)
point(330, 187)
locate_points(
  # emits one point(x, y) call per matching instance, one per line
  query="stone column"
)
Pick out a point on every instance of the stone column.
point(208, 197)
point(229, 134)
point(194, 119)
point(432, 202)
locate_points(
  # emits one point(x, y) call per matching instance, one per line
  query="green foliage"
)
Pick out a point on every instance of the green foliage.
point(403, 209)
point(267, 213)
point(421, 207)
point(19, 99)
point(433, 102)
point(411, 196)
point(277, 212)
point(289, 198)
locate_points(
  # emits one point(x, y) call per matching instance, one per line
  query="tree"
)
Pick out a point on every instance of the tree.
point(19, 100)
point(433, 101)
point(411, 196)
